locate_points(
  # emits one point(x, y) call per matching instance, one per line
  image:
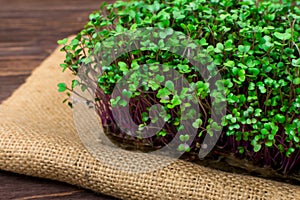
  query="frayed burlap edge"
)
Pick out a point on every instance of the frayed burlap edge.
point(38, 138)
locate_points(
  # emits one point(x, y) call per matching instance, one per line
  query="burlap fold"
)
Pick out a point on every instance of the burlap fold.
point(38, 138)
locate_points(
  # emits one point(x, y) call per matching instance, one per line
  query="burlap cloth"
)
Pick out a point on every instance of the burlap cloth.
point(38, 138)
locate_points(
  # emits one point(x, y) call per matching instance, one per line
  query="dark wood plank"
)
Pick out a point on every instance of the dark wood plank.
point(23, 187)
point(28, 33)
point(10, 83)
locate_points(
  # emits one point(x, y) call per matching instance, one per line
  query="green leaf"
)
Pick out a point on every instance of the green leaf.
point(216, 127)
point(184, 69)
point(123, 66)
point(253, 71)
point(159, 78)
point(175, 101)
point(181, 147)
point(290, 151)
point(154, 7)
point(163, 24)
point(241, 74)
point(126, 93)
point(280, 118)
point(281, 148)
point(251, 86)
point(264, 131)
point(203, 42)
point(145, 117)
point(178, 15)
point(168, 31)
point(123, 102)
point(282, 36)
point(268, 81)
point(228, 45)
point(270, 17)
point(235, 126)
point(241, 150)
point(184, 138)
point(187, 148)
point(74, 83)
point(243, 49)
point(261, 87)
point(162, 133)
point(197, 124)
point(64, 66)
point(115, 101)
point(134, 65)
point(296, 81)
point(229, 63)
point(153, 85)
point(74, 67)
point(83, 87)
point(296, 139)
point(257, 147)
point(63, 41)
point(271, 137)
point(169, 85)
point(75, 42)
point(62, 87)
point(296, 62)
point(269, 143)
point(219, 48)
point(181, 138)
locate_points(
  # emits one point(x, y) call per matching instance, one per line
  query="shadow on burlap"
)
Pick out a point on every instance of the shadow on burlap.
point(38, 138)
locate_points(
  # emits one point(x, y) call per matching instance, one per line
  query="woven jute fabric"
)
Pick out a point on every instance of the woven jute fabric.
point(38, 138)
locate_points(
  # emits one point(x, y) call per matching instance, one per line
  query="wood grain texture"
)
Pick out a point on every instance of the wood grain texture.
point(29, 30)
point(21, 187)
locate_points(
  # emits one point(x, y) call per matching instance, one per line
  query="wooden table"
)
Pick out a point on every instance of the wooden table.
point(29, 30)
